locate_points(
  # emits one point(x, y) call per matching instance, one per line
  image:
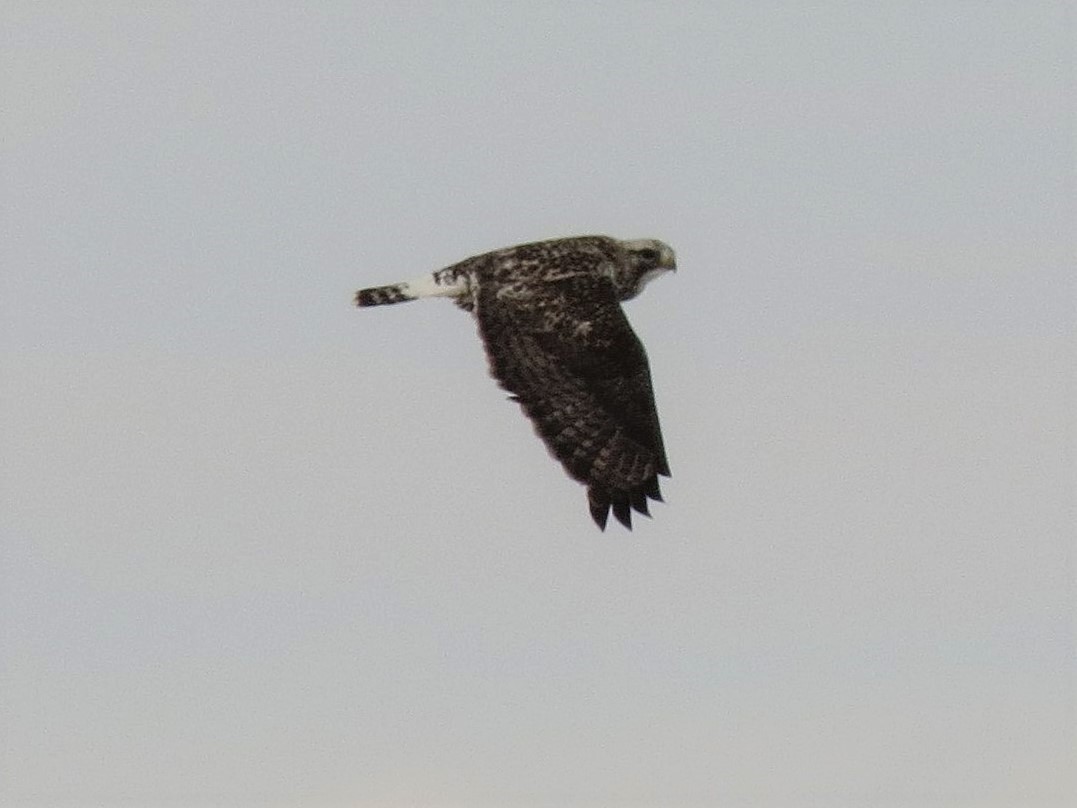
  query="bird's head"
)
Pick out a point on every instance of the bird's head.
point(648, 258)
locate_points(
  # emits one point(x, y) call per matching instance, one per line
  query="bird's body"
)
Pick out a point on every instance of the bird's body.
point(556, 338)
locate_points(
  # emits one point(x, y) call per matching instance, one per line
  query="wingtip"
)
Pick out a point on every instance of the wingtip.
point(601, 515)
point(651, 489)
point(623, 502)
point(639, 502)
point(623, 511)
point(599, 504)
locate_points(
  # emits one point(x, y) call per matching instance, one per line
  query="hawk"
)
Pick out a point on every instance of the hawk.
point(550, 318)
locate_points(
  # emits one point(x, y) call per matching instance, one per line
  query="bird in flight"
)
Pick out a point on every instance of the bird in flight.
point(549, 314)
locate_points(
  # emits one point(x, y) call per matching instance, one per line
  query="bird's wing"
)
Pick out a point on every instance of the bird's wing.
point(567, 353)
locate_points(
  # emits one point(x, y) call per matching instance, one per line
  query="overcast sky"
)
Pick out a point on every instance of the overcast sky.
point(259, 547)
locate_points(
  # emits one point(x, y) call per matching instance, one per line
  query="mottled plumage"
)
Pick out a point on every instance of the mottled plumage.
point(556, 338)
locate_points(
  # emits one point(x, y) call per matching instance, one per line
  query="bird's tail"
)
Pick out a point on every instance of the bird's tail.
point(382, 295)
point(443, 283)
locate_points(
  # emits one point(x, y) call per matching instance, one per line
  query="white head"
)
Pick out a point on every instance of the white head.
point(648, 259)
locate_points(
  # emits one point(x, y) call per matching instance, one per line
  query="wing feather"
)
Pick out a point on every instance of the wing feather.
point(567, 354)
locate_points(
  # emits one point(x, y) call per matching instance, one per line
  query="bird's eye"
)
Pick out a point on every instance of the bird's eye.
point(649, 255)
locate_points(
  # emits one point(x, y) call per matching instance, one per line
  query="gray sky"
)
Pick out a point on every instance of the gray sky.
point(259, 547)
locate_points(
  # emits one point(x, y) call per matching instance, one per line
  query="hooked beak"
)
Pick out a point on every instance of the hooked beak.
point(668, 260)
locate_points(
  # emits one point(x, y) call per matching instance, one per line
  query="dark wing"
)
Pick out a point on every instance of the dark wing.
point(566, 352)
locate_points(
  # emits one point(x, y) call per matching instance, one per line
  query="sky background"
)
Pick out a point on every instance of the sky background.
point(258, 547)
